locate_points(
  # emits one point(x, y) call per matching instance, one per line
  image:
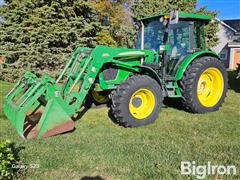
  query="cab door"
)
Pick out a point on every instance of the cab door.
point(181, 40)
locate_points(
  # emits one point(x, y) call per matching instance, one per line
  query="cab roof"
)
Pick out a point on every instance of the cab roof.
point(183, 16)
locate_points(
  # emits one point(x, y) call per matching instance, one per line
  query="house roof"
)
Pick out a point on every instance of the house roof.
point(234, 23)
point(226, 25)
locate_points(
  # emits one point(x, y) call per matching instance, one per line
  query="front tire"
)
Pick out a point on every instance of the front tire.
point(136, 101)
point(204, 85)
point(95, 98)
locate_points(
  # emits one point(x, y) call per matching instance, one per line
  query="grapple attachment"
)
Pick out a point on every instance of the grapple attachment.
point(35, 108)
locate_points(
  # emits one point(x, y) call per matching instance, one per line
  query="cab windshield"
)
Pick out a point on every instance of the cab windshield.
point(153, 35)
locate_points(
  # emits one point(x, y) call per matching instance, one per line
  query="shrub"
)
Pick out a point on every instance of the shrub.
point(6, 159)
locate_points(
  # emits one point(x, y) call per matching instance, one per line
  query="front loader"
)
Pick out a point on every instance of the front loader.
point(170, 60)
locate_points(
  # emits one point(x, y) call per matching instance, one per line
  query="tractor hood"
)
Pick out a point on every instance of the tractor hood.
point(122, 53)
point(130, 54)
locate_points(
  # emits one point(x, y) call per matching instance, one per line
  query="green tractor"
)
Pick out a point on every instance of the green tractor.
point(170, 60)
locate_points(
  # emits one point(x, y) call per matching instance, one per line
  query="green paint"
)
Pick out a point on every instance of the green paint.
point(183, 66)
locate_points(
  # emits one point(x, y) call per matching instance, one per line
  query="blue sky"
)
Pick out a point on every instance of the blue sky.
point(1, 2)
point(228, 9)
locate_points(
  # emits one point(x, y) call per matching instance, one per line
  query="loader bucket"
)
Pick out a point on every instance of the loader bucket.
point(32, 113)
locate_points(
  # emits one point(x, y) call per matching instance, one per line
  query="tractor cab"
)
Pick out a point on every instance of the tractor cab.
point(176, 35)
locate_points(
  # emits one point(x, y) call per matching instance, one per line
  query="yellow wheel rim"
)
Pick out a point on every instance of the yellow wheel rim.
point(210, 87)
point(142, 103)
point(99, 98)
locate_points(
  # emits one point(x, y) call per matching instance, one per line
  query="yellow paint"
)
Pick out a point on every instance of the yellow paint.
point(99, 98)
point(147, 104)
point(210, 87)
point(166, 17)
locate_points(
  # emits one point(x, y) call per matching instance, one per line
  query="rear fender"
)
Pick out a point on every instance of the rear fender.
point(183, 66)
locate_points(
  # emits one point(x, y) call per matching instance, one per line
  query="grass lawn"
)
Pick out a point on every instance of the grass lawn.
point(101, 148)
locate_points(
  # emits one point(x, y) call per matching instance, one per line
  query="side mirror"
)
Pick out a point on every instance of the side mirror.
point(174, 17)
point(137, 25)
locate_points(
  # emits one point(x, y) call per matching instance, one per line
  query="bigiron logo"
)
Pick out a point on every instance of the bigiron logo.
point(201, 171)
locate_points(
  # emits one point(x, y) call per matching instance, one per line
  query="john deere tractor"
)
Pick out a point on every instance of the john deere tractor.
point(170, 60)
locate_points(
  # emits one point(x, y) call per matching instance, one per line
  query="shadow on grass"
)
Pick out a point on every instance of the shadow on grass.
point(173, 103)
point(2, 115)
point(233, 82)
point(92, 178)
point(80, 114)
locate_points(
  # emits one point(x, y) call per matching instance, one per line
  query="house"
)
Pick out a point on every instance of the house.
point(229, 42)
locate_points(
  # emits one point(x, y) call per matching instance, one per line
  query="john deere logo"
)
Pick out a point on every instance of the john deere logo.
point(105, 55)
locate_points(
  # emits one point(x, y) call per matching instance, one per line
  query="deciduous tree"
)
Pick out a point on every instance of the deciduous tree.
point(120, 27)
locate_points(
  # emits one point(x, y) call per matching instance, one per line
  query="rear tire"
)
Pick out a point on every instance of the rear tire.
point(136, 101)
point(204, 85)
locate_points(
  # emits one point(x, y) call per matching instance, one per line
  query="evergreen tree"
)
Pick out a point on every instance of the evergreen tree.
point(39, 34)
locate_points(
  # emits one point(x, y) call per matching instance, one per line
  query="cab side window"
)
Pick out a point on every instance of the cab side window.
point(179, 39)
